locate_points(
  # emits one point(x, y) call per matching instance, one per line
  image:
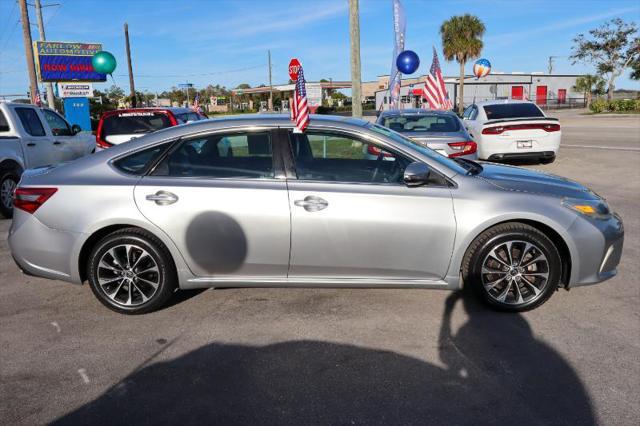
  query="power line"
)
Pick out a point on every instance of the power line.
point(193, 75)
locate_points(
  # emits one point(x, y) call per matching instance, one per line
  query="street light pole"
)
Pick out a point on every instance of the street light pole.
point(356, 83)
point(132, 86)
point(50, 99)
point(28, 48)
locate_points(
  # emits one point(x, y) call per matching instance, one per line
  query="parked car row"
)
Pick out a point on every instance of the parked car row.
point(490, 130)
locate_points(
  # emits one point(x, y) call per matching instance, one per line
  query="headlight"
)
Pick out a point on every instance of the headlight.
point(597, 209)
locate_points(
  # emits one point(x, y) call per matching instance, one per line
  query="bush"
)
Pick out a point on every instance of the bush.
point(618, 105)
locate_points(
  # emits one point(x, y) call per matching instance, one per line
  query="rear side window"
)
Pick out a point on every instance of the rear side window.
point(139, 162)
point(422, 123)
point(30, 121)
point(505, 111)
point(4, 124)
point(132, 123)
point(239, 155)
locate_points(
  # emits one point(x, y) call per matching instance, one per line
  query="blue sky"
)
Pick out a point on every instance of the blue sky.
point(226, 42)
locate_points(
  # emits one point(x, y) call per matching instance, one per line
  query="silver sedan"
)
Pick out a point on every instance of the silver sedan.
point(441, 131)
point(245, 201)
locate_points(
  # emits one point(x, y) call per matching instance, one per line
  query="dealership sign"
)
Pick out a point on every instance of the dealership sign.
point(61, 61)
point(75, 90)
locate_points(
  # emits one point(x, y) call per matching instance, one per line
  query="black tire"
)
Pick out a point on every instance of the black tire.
point(141, 241)
point(8, 177)
point(497, 238)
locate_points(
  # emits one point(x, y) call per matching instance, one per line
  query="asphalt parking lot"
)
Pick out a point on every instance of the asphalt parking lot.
point(340, 356)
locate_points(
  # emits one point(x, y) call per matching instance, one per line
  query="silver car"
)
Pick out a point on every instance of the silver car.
point(441, 131)
point(245, 201)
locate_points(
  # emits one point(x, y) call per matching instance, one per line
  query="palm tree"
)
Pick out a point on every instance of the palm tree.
point(461, 40)
point(589, 84)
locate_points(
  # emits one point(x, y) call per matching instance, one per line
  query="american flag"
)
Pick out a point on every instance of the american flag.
point(196, 103)
point(434, 90)
point(299, 108)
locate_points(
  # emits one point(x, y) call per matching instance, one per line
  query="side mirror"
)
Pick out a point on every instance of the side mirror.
point(75, 129)
point(416, 174)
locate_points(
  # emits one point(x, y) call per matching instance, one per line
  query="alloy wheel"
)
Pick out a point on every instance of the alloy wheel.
point(515, 272)
point(6, 192)
point(128, 275)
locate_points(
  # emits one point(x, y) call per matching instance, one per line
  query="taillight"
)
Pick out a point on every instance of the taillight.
point(492, 130)
point(500, 129)
point(374, 150)
point(99, 141)
point(462, 148)
point(30, 199)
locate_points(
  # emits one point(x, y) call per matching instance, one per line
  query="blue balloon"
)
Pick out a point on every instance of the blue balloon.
point(408, 62)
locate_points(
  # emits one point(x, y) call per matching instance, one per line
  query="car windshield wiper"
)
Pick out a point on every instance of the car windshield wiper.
point(473, 167)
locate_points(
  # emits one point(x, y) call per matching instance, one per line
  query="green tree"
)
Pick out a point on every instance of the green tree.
point(612, 48)
point(462, 41)
point(115, 94)
point(244, 86)
point(635, 67)
point(589, 85)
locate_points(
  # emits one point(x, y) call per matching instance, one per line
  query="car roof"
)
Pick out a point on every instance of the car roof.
point(503, 101)
point(415, 111)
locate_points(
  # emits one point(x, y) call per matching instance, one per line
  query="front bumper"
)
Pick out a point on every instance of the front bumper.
point(599, 249)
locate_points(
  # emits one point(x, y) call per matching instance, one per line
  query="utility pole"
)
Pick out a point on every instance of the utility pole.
point(270, 84)
point(28, 49)
point(356, 83)
point(50, 99)
point(132, 86)
point(550, 64)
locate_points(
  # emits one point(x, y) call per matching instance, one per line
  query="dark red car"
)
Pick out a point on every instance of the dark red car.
point(122, 125)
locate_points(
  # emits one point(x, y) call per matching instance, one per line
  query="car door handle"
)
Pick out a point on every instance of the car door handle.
point(57, 143)
point(162, 198)
point(312, 203)
point(31, 144)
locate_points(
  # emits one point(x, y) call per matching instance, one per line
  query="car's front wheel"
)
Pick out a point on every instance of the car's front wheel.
point(513, 267)
point(131, 272)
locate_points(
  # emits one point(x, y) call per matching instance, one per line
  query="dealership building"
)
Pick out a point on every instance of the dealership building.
point(547, 90)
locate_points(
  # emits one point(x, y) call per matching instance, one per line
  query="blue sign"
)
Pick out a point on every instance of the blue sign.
point(76, 110)
point(61, 61)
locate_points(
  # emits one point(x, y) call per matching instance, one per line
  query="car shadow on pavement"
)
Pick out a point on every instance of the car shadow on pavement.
point(496, 372)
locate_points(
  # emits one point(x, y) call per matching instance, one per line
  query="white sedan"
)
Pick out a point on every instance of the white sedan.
point(512, 130)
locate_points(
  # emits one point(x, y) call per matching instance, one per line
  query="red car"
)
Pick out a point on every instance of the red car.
point(122, 125)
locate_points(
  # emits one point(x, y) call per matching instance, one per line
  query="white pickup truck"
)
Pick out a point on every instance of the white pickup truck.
point(33, 137)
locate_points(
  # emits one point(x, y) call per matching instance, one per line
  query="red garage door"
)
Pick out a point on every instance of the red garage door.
point(562, 96)
point(517, 92)
point(541, 95)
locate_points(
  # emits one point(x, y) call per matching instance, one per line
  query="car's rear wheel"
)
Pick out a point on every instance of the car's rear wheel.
point(513, 267)
point(131, 272)
point(8, 182)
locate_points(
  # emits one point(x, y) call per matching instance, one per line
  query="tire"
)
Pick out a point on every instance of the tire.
point(9, 179)
point(534, 273)
point(121, 278)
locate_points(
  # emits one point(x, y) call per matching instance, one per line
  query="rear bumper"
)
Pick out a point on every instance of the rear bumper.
point(544, 155)
point(39, 250)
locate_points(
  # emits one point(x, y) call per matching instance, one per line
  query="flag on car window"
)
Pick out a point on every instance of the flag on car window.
point(435, 91)
point(37, 100)
point(196, 103)
point(299, 109)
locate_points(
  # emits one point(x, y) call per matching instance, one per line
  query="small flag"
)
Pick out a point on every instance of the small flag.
point(434, 89)
point(37, 100)
point(196, 103)
point(299, 108)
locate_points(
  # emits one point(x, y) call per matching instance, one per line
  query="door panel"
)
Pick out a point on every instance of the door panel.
point(37, 143)
point(517, 92)
point(368, 230)
point(222, 228)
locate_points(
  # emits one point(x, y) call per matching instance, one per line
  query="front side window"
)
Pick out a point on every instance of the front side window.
point(410, 123)
point(58, 125)
point(335, 157)
point(30, 121)
point(239, 155)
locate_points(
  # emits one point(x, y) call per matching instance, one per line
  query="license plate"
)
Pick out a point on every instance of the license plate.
point(524, 144)
point(442, 152)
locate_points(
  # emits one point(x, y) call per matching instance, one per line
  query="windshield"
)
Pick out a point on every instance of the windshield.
point(436, 123)
point(127, 123)
point(402, 140)
point(501, 111)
